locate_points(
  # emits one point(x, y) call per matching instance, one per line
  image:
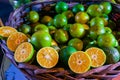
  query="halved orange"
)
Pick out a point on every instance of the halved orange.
point(79, 62)
point(16, 39)
point(24, 52)
point(47, 57)
point(97, 56)
point(6, 31)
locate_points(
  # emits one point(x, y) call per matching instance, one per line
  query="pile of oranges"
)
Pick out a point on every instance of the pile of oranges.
point(77, 37)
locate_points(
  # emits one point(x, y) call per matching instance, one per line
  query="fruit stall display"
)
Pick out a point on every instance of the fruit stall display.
point(67, 40)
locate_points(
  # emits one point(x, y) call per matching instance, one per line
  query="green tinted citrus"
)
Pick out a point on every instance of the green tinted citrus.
point(46, 19)
point(41, 27)
point(33, 16)
point(108, 30)
point(96, 21)
point(78, 8)
point(107, 7)
point(25, 28)
point(82, 17)
point(41, 39)
point(94, 10)
point(106, 40)
point(61, 36)
point(112, 54)
point(60, 20)
point(76, 43)
point(77, 30)
point(68, 14)
point(61, 7)
point(65, 54)
point(96, 31)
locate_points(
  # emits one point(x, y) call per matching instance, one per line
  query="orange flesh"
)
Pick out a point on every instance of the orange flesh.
point(23, 52)
point(47, 57)
point(97, 56)
point(15, 39)
point(6, 31)
point(79, 62)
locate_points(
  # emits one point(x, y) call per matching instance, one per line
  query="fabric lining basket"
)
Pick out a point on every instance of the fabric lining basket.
point(33, 72)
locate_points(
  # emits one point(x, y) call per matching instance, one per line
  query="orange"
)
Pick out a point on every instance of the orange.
point(82, 17)
point(16, 39)
point(6, 31)
point(79, 62)
point(97, 55)
point(47, 57)
point(46, 19)
point(24, 52)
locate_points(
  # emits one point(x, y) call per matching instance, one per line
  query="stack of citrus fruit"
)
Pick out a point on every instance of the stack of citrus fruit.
point(79, 37)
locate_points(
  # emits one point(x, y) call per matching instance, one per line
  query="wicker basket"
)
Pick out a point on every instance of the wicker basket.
point(33, 72)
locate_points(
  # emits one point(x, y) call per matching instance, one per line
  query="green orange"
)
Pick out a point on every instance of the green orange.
point(82, 17)
point(24, 52)
point(76, 43)
point(41, 39)
point(61, 7)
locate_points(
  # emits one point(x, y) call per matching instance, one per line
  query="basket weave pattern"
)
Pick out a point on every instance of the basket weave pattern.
point(33, 72)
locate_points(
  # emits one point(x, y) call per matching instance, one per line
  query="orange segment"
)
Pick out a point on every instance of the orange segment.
point(47, 57)
point(15, 39)
point(79, 62)
point(6, 31)
point(24, 52)
point(97, 56)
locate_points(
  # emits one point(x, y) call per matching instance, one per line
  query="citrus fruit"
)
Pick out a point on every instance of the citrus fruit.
point(108, 30)
point(107, 7)
point(106, 40)
point(78, 8)
point(97, 56)
point(41, 27)
point(46, 19)
point(25, 28)
point(67, 27)
point(60, 20)
point(47, 57)
point(16, 39)
point(76, 43)
point(82, 17)
point(68, 14)
point(52, 29)
point(79, 62)
point(24, 52)
point(61, 7)
point(33, 16)
point(77, 30)
point(96, 21)
point(65, 54)
point(94, 10)
point(95, 31)
point(61, 36)
point(6, 31)
point(41, 39)
point(112, 54)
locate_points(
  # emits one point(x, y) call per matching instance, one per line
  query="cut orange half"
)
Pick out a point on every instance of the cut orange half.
point(79, 62)
point(6, 31)
point(16, 39)
point(47, 57)
point(24, 52)
point(97, 56)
